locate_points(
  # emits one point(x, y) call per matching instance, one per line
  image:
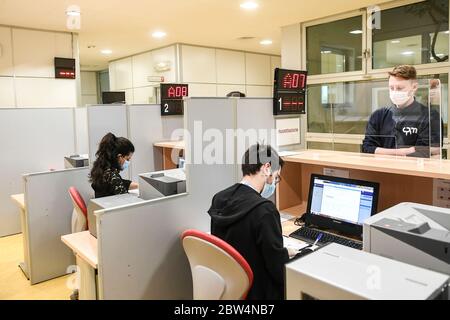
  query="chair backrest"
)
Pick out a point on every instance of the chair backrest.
point(78, 203)
point(219, 272)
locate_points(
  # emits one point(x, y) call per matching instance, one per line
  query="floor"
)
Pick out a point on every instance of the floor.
point(13, 283)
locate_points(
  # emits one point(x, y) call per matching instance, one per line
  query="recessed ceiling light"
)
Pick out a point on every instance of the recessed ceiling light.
point(266, 42)
point(356, 32)
point(447, 32)
point(408, 53)
point(325, 52)
point(395, 41)
point(106, 51)
point(73, 13)
point(249, 5)
point(159, 34)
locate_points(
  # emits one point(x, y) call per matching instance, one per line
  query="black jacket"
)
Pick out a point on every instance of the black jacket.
point(112, 184)
point(251, 224)
point(395, 128)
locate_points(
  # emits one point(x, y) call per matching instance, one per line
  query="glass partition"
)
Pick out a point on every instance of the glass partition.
point(340, 114)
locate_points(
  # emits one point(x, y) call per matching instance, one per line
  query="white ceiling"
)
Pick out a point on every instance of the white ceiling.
point(125, 27)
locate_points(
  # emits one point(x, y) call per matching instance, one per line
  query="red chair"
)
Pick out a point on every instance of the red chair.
point(79, 215)
point(219, 272)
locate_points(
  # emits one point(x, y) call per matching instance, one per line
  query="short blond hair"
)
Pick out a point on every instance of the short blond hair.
point(405, 72)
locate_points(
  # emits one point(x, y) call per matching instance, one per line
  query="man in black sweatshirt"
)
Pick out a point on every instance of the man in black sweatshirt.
point(243, 217)
point(407, 128)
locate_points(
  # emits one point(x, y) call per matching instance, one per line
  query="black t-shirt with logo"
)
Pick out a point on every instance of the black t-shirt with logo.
point(413, 126)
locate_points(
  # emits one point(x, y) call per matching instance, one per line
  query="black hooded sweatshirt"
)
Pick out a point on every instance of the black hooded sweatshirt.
point(251, 224)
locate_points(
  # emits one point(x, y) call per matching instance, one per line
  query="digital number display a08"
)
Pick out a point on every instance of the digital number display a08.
point(172, 98)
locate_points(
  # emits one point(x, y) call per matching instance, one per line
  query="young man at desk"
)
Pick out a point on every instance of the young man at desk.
point(407, 128)
point(243, 217)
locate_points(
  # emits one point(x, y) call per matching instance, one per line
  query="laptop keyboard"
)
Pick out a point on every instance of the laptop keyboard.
point(310, 235)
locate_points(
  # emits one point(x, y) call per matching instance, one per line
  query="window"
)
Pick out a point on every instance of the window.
point(413, 34)
point(335, 47)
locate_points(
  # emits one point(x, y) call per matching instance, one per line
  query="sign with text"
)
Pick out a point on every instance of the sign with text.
point(172, 98)
point(288, 131)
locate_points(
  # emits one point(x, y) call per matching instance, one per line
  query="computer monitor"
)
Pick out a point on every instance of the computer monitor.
point(341, 204)
point(111, 97)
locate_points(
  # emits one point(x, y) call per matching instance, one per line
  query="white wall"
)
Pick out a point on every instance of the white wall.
point(27, 69)
point(216, 72)
point(89, 88)
point(132, 74)
point(210, 72)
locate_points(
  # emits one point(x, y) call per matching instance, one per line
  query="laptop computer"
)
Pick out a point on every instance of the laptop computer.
point(337, 209)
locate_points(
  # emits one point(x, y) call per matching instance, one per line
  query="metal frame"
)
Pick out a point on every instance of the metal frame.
point(367, 73)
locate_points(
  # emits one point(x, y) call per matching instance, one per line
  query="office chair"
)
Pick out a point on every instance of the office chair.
point(219, 272)
point(79, 215)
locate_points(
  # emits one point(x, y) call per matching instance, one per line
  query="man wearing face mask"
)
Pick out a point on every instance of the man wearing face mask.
point(407, 128)
point(243, 216)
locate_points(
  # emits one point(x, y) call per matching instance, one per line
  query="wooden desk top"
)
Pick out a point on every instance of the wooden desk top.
point(84, 245)
point(19, 199)
point(428, 168)
point(170, 144)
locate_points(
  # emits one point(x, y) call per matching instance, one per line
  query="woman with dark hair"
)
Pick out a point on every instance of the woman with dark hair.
point(113, 155)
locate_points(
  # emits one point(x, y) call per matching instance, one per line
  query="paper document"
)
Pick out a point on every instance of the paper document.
point(294, 243)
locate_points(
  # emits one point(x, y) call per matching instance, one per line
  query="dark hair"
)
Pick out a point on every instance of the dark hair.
point(110, 147)
point(257, 156)
point(404, 72)
point(236, 94)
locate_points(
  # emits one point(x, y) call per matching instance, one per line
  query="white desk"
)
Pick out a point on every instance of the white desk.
point(19, 200)
point(84, 245)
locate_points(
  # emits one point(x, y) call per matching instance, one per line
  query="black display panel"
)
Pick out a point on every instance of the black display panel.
point(172, 98)
point(111, 97)
point(289, 92)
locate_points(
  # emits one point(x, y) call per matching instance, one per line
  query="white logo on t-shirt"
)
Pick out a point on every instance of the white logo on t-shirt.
point(410, 131)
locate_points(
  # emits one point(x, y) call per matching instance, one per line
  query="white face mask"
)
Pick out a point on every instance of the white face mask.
point(269, 189)
point(399, 98)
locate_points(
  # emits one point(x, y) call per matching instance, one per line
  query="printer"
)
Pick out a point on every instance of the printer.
point(162, 184)
point(336, 272)
point(76, 161)
point(108, 203)
point(412, 233)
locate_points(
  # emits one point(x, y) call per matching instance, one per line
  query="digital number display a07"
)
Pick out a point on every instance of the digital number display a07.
point(289, 92)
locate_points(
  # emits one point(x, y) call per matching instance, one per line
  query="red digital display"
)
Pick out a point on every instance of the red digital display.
point(172, 98)
point(289, 92)
point(174, 91)
point(66, 74)
point(293, 81)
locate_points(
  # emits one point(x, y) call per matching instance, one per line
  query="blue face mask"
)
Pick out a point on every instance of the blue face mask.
point(125, 165)
point(269, 190)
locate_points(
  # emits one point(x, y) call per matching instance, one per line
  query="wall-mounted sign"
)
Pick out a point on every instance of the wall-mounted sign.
point(288, 131)
point(172, 98)
point(289, 92)
point(65, 68)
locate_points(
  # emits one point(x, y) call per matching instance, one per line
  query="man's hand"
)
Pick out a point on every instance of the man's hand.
point(292, 252)
point(405, 151)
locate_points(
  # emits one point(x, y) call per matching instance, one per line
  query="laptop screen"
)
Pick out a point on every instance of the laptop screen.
point(342, 201)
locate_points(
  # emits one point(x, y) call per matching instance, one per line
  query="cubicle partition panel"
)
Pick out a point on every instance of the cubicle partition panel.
point(49, 215)
point(81, 130)
point(103, 119)
point(139, 246)
point(146, 127)
point(32, 140)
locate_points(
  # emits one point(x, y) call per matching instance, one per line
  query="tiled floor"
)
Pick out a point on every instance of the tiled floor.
point(13, 283)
